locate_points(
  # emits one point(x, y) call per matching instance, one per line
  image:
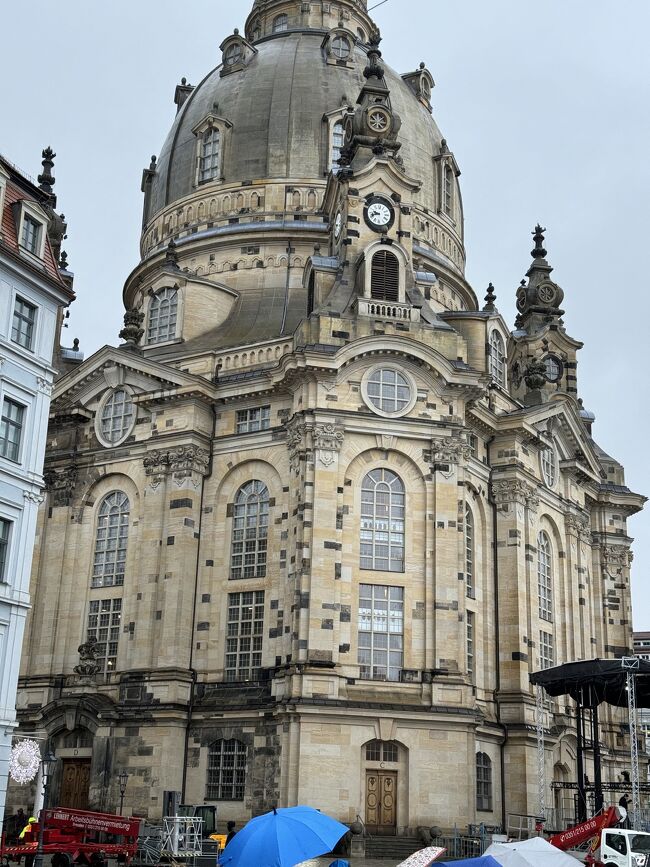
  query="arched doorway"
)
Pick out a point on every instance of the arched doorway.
point(384, 765)
point(74, 750)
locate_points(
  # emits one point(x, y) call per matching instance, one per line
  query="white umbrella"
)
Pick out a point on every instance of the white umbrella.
point(536, 852)
point(423, 858)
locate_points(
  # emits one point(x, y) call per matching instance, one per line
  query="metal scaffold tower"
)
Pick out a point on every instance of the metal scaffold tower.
point(631, 666)
point(623, 683)
point(541, 762)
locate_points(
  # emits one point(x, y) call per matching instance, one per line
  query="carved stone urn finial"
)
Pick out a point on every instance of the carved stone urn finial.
point(132, 331)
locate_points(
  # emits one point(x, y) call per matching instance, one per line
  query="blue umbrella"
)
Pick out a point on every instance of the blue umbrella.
point(283, 838)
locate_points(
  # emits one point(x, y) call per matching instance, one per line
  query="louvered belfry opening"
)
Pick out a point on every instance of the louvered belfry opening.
point(384, 276)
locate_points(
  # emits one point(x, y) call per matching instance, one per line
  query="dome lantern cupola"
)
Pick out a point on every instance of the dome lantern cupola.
point(272, 17)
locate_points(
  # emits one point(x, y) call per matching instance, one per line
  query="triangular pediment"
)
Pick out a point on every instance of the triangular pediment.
point(111, 367)
point(560, 422)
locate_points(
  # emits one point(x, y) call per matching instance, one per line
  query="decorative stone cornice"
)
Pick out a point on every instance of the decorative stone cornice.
point(328, 439)
point(181, 461)
point(60, 485)
point(508, 491)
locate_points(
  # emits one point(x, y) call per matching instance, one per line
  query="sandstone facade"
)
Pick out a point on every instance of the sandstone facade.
point(322, 512)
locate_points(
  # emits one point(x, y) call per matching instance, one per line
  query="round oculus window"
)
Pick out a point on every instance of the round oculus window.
point(388, 391)
point(116, 417)
point(340, 48)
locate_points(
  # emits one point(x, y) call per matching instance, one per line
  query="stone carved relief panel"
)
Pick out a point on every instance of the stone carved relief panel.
point(328, 439)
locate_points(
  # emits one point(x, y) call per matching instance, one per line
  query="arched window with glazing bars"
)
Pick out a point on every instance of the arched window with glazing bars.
point(250, 526)
point(544, 576)
point(111, 540)
point(469, 553)
point(382, 521)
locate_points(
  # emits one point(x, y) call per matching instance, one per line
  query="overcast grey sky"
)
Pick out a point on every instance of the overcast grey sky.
point(544, 105)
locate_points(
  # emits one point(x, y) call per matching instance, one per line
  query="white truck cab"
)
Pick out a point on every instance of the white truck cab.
point(621, 847)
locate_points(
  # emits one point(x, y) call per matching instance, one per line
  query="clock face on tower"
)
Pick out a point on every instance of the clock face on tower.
point(379, 214)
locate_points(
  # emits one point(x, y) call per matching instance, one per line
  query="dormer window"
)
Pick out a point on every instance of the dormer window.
point(30, 238)
point(210, 158)
point(211, 142)
point(337, 46)
point(163, 311)
point(233, 54)
point(280, 23)
point(31, 225)
point(236, 53)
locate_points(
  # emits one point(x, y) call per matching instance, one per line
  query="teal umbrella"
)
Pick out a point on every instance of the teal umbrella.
point(283, 838)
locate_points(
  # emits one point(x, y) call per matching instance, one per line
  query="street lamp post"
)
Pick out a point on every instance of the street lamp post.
point(122, 779)
point(47, 764)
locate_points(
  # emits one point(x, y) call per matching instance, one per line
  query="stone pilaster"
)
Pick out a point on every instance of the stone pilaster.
point(172, 507)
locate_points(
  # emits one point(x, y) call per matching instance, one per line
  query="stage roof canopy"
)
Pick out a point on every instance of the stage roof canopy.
point(597, 680)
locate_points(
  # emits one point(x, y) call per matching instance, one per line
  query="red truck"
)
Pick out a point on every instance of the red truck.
point(611, 846)
point(77, 837)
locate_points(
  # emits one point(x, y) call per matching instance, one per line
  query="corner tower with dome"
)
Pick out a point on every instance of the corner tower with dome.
point(311, 525)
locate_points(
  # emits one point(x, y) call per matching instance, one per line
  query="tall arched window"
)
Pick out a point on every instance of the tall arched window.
point(544, 576)
point(384, 276)
point(250, 526)
point(163, 308)
point(497, 358)
point(111, 540)
point(210, 159)
point(382, 522)
point(226, 770)
point(548, 459)
point(280, 23)
point(483, 782)
point(338, 136)
point(469, 553)
point(448, 191)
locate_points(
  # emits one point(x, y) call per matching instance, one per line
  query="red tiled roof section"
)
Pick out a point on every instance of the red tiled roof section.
point(9, 238)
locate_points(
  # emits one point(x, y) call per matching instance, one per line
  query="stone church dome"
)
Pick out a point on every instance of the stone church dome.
point(249, 185)
point(276, 108)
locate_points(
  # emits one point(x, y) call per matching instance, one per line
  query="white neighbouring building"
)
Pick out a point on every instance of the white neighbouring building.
point(33, 291)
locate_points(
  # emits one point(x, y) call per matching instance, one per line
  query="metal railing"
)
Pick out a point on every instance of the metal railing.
point(460, 846)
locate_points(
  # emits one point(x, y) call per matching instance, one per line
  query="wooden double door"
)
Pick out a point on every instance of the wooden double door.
point(75, 784)
point(381, 802)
